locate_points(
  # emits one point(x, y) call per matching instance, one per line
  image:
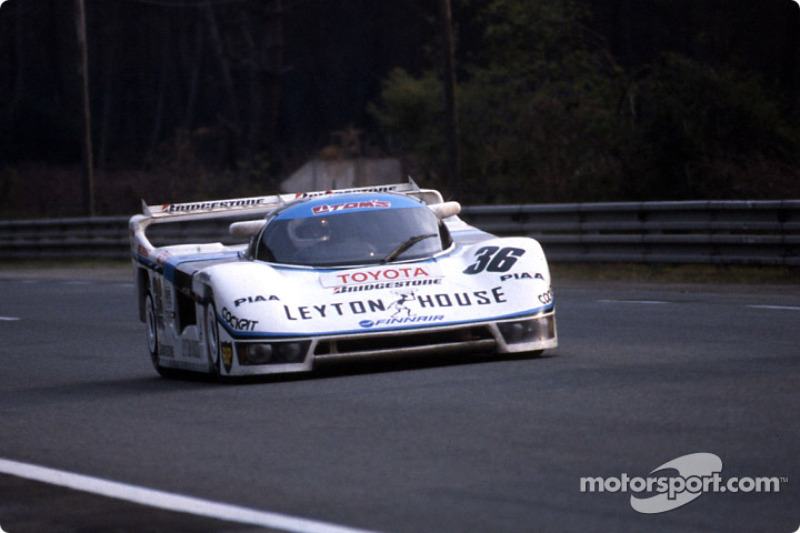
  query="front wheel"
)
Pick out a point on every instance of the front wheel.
point(212, 339)
point(152, 328)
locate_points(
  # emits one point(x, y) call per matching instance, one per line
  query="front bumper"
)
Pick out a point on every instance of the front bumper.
point(517, 335)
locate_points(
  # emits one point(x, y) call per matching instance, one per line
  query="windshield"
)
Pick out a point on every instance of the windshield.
point(354, 238)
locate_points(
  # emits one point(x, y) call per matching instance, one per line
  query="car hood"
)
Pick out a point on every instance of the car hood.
point(256, 299)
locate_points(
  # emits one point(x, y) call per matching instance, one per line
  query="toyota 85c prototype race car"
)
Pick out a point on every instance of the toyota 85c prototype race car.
point(303, 278)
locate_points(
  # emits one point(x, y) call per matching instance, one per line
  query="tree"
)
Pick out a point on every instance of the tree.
point(703, 132)
point(538, 106)
point(547, 114)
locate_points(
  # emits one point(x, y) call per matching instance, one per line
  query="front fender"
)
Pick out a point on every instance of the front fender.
point(507, 258)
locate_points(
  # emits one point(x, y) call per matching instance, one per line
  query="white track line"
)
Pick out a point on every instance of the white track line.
point(170, 501)
point(9, 318)
point(781, 307)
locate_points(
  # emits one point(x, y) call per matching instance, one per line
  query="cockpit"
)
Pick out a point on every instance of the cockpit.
point(354, 229)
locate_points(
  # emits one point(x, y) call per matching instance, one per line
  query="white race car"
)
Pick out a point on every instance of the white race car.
point(365, 272)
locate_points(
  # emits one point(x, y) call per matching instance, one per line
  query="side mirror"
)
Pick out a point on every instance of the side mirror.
point(446, 209)
point(247, 228)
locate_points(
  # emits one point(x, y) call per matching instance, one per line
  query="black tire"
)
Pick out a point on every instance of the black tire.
point(151, 323)
point(211, 334)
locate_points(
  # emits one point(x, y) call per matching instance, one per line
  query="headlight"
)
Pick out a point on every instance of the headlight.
point(531, 330)
point(257, 354)
point(271, 353)
point(292, 352)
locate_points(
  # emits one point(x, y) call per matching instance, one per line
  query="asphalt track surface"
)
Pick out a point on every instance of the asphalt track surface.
point(644, 374)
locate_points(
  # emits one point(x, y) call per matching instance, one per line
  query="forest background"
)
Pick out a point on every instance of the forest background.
point(557, 100)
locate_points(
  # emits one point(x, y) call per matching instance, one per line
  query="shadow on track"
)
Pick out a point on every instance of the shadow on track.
point(357, 367)
point(180, 383)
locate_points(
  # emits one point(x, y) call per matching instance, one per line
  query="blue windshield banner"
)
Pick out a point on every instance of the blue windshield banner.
point(349, 203)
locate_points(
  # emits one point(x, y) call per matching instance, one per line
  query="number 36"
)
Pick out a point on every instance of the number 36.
point(494, 259)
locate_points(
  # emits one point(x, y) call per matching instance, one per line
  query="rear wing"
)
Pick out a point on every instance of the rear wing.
point(248, 207)
point(267, 203)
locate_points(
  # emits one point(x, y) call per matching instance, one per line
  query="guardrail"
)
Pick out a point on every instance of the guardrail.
point(717, 232)
point(65, 237)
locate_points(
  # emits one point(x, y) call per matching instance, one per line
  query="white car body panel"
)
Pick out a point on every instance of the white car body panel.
point(214, 309)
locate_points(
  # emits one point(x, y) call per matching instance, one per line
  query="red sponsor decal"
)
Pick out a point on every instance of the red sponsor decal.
point(389, 274)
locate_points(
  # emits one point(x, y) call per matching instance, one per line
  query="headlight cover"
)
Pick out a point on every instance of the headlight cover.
point(537, 329)
point(272, 353)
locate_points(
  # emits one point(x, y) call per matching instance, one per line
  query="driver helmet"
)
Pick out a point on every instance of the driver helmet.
point(308, 231)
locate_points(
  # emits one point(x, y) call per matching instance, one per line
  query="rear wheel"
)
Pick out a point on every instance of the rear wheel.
point(151, 321)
